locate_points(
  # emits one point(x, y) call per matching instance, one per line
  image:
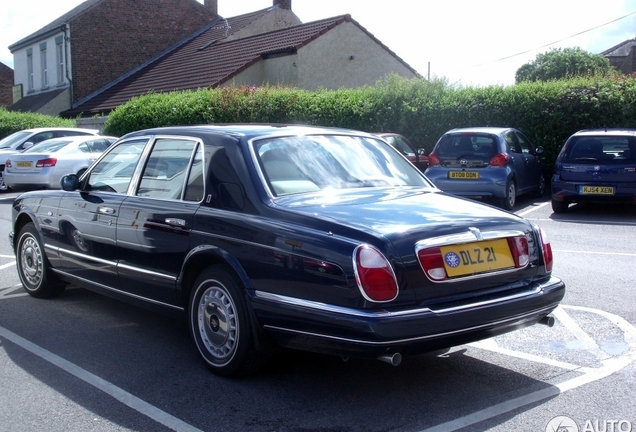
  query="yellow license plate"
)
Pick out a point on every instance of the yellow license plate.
point(597, 190)
point(24, 164)
point(478, 257)
point(463, 175)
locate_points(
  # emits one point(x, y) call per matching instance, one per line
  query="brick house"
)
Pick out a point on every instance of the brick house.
point(269, 46)
point(94, 44)
point(623, 56)
point(6, 85)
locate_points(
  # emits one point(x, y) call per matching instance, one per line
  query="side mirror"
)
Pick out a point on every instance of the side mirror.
point(69, 182)
point(27, 145)
point(539, 150)
point(421, 151)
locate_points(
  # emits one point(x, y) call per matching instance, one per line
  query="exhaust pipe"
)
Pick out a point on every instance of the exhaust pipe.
point(547, 320)
point(393, 359)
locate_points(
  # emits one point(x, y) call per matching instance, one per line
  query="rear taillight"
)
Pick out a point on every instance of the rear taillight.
point(433, 159)
point(374, 274)
point(432, 262)
point(7, 164)
point(520, 251)
point(499, 159)
point(48, 162)
point(548, 258)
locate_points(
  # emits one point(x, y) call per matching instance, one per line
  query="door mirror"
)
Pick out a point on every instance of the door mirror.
point(69, 182)
point(26, 145)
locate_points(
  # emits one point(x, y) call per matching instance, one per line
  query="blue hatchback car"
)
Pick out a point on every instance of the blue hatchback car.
point(487, 162)
point(597, 165)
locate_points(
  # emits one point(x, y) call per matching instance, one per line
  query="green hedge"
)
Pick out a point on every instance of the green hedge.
point(422, 110)
point(11, 121)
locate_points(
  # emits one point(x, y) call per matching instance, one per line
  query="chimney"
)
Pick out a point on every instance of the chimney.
point(213, 5)
point(283, 4)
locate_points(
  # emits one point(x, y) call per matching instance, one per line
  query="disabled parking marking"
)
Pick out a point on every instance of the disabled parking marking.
point(609, 366)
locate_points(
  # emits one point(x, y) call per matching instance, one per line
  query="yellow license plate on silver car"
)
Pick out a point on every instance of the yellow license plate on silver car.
point(597, 190)
point(24, 164)
point(466, 175)
point(479, 257)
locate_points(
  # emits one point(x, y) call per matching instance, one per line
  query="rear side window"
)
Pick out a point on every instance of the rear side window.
point(602, 149)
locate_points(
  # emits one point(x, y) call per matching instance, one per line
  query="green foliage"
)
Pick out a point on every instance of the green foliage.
point(11, 121)
point(547, 111)
point(563, 63)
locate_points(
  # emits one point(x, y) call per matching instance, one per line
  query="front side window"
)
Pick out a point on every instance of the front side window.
point(114, 172)
point(309, 163)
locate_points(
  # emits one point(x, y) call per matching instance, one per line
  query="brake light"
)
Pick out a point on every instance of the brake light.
point(548, 258)
point(499, 159)
point(433, 159)
point(520, 251)
point(48, 162)
point(432, 262)
point(374, 274)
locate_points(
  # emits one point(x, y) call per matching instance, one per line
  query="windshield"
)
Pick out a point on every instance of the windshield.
point(13, 140)
point(315, 162)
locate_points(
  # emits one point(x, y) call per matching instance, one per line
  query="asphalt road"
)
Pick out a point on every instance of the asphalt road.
point(84, 362)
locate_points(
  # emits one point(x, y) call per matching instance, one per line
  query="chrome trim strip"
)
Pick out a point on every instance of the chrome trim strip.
point(324, 307)
point(106, 287)
point(115, 264)
point(465, 237)
point(413, 339)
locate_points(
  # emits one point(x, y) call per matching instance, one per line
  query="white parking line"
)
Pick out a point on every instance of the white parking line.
point(5, 266)
point(610, 366)
point(5, 293)
point(596, 253)
point(523, 213)
point(116, 392)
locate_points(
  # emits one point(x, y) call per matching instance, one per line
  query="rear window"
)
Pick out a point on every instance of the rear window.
point(456, 146)
point(602, 149)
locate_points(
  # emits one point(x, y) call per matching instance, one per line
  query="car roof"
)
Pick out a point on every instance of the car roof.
point(45, 129)
point(481, 129)
point(610, 132)
point(245, 130)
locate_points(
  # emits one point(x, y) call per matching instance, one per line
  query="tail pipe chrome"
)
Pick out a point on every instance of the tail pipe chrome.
point(393, 359)
point(547, 320)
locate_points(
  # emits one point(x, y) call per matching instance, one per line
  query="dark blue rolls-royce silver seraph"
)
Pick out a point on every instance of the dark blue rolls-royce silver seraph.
point(264, 236)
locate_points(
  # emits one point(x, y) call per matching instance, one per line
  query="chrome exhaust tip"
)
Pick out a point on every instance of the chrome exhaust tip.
point(393, 359)
point(547, 320)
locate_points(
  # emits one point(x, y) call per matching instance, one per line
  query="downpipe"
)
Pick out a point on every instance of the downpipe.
point(393, 359)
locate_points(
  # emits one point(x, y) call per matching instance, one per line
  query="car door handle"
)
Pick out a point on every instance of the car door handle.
point(176, 222)
point(106, 210)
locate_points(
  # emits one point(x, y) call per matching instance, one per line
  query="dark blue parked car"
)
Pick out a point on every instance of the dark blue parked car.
point(487, 162)
point(325, 240)
point(596, 165)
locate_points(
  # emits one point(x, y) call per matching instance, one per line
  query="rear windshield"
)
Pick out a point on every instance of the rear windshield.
point(481, 146)
point(603, 149)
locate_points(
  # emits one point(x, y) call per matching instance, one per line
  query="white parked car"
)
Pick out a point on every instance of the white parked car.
point(44, 164)
point(24, 139)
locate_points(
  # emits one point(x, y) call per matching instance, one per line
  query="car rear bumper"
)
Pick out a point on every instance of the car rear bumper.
point(313, 326)
point(570, 191)
point(491, 183)
point(16, 180)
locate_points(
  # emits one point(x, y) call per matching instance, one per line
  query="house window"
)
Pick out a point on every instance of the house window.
point(43, 65)
point(30, 69)
point(59, 56)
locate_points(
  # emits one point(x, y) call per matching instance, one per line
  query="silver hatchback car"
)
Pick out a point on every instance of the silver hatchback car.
point(487, 162)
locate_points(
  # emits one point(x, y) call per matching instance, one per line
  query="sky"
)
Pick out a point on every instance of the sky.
point(467, 42)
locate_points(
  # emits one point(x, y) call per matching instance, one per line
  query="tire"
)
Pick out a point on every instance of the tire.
point(509, 201)
point(3, 185)
point(220, 323)
point(33, 267)
point(559, 206)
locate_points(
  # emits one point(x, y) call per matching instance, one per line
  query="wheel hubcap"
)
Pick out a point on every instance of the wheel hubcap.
point(31, 262)
point(218, 324)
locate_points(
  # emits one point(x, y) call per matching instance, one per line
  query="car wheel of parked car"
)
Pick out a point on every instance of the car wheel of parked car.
point(33, 268)
point(559, 206)
point(3, 185)
point(508, 202)
point(220, 323)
